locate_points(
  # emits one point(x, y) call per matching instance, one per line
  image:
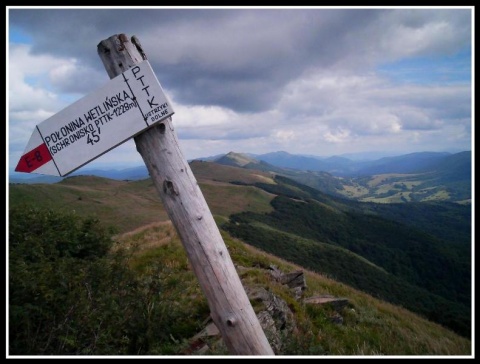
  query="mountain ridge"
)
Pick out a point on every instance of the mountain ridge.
point(140, 171)
point(411, 177)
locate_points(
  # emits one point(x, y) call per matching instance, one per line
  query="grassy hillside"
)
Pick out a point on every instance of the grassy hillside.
point(125, 205)
point(370, 326)
point(142, 298)
point(206, 171)
point(425, 273)
point(128, 205)
point(345, 249)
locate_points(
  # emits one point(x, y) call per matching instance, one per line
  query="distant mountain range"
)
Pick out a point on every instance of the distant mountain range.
point(410, 177)
point(131, 174)
point(344, 167)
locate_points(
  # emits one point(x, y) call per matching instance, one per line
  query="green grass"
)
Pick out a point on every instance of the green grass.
point(323, 246)
point(226, 199)
point(370, 326)
point(128, 205)
point(216, 172)
point(124, 205)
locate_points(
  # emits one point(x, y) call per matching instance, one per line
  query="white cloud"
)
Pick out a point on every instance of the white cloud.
point(337, 136)
point(197, 116)
point(23, 67)
point(284, 135)
point(74, 78)
point(416, 32)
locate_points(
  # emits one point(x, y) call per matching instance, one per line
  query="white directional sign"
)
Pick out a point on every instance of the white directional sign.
point(97, 123)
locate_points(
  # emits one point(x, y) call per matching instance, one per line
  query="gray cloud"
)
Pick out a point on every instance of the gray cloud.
point(301, 80)
point(242, 58)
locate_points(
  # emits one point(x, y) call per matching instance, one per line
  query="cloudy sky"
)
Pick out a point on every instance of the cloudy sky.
point(317, 81)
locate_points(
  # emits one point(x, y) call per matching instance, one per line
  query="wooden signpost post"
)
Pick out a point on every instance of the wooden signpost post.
point(133, 105)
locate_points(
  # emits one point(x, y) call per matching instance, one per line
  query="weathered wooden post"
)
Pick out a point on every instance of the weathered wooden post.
point(179, 191)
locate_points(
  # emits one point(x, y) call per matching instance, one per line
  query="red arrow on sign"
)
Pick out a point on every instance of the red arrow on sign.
point(34, 159)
